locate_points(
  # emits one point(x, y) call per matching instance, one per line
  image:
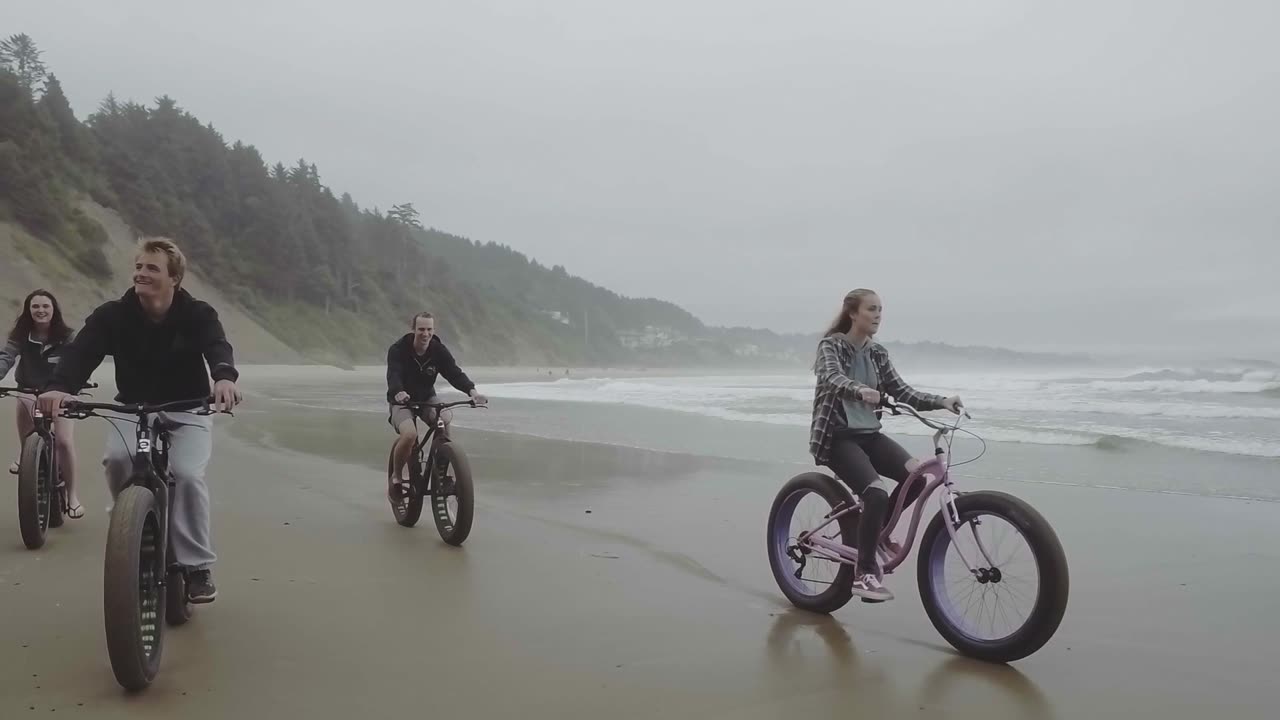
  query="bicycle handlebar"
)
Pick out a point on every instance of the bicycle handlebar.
point(36, 391)
point(896, 408)
point(420, 404)
point(79, 410)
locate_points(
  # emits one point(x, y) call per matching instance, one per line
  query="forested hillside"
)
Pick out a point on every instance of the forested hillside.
point(316, 269)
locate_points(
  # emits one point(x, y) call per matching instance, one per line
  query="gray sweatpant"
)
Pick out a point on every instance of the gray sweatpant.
point(189, 451)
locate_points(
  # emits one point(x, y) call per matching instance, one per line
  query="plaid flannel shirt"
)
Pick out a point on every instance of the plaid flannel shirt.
point(834, 355)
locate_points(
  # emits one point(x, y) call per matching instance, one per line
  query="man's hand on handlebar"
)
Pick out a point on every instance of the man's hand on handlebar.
point(953, 404)
point(869, 396)
point(226, 396)
point(475, 399)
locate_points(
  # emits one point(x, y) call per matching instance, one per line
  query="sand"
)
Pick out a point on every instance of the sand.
point(656, 604)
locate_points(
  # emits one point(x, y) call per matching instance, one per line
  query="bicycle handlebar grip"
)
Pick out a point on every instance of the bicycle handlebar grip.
point(889, 403)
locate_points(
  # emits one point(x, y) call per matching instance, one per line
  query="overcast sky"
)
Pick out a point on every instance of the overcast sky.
point(1070, 174)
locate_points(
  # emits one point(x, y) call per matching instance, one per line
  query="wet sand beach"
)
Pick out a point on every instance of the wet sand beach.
point(602, 581)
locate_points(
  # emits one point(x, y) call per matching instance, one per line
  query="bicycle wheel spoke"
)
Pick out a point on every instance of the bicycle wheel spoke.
point(805, 513)
point(1013, 556)
point(995, 552)
point(1000, 613)
point(992, 610)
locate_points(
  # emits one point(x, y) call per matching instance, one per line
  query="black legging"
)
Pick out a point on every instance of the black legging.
point(859, 459)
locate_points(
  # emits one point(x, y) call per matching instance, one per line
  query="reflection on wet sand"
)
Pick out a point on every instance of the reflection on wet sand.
point(821, 648)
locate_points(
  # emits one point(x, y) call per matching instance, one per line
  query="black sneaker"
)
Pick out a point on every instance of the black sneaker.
point(200, 587)
point(869, 588)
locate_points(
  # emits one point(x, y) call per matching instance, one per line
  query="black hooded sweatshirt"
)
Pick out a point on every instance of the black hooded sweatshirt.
point(416, 374)
point(155, 362)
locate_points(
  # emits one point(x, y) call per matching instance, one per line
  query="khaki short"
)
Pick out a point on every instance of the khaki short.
point(399, 414)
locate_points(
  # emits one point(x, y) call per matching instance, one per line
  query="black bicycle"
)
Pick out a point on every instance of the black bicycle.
point(442, 473)
point(144, 587)
point(42, 495)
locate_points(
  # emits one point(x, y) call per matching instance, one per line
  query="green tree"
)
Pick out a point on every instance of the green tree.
point(72, 136)
point(405, 214)
point(20, 56)
point(29, 161)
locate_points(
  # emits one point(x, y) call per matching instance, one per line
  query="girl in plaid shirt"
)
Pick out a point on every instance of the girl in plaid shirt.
point(853, 371)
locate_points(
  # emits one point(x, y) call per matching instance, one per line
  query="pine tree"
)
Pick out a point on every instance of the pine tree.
point(20, 56)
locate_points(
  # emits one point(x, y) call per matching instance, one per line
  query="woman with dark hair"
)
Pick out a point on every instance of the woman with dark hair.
point(853, 371)
point(35, 345)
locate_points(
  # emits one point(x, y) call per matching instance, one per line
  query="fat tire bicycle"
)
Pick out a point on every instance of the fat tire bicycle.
point(990, 601)
point(439, 472)
point(42, 494)
point(143, 585)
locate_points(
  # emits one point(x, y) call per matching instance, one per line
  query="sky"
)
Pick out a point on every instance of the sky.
point(1040, 175)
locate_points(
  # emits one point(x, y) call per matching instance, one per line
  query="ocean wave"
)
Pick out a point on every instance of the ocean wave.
point(1197, 386)
point(1041, 409)
point(1229, 446)
point(1102, 437)
point(1171, 380)
point(1083, 405)
point(759, 401)
point(1046, 418)
point(665, 395)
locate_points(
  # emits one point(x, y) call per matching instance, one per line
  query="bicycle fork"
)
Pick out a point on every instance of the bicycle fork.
point(43, 426)
point(163, 491)
point(947, 504)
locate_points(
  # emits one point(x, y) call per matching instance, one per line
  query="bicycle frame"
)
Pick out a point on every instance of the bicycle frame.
point(935, 473)
point(437, 433)
point(150, 457)
point(42, 425)
point(151, 467)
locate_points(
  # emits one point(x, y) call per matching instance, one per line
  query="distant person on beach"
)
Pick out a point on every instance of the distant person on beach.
point(853, 371)
point(413, 363)
point(35, 346)
point(160, 338)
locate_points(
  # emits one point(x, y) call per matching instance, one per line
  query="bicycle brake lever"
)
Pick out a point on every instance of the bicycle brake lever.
point(889, 403)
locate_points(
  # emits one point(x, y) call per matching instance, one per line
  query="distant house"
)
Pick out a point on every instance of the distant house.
point(649, 337)
point(556, 315)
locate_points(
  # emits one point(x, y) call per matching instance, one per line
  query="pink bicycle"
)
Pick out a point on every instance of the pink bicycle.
point(992, 574)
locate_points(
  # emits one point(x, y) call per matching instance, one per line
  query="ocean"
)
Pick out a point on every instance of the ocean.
point(1204, 431)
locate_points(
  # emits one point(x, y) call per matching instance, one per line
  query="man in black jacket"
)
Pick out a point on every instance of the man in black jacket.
point(160, 338)
point(413, 362)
